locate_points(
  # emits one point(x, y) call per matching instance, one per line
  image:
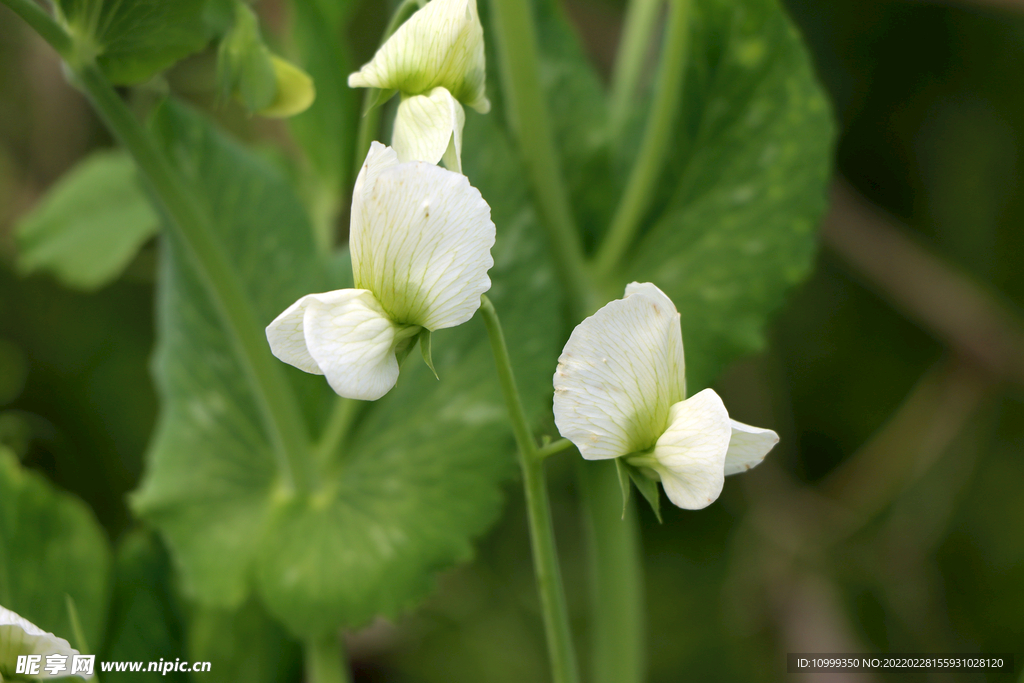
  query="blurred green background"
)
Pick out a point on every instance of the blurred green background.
point(889, 518)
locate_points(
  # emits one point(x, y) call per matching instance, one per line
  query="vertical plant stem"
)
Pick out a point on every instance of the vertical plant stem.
point(641, 18)
point(325, 660)
point(271, 390)
point(520, 71)
point(542, 535)
point(343, 414)
point(616, 577)
point(656, 143)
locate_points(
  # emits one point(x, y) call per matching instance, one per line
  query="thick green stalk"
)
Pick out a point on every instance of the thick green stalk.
point(270, 388)
point(527, 112)
point(542, 535)
point(641, 18)
point(325, 660)
point(43, 24)
point(656, 143)
point(343, 415)
point(616, 577)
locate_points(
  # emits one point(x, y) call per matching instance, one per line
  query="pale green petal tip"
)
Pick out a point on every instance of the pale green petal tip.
point(295, 90)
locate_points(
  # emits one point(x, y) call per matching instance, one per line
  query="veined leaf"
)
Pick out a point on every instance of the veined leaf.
point(135, 39)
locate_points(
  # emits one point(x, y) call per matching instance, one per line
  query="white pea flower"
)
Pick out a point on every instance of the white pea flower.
point(436, 61)
point(420, 239)
point(21, 638)
point(620, 391)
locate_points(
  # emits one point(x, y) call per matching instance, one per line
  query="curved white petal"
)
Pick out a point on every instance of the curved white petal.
point(427, 126)
point(421, 241)
point(747, 447)
point(442, 44)
point(18, 636)
point(690, 455)
point(344, 335)
point(379, 158)
point(619, 374)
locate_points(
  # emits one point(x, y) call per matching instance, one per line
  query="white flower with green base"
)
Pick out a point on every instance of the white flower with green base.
point(19, 637)
point(620, 392)
point(436, 61)
point(421, 241)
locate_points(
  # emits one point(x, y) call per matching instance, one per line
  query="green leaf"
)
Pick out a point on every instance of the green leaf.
point(243, 645)
point(745, 189)
point(243, 62)
point(50, 547)
point(417, 478)
point(90, 225)
point(146, 623)
point(135, 39)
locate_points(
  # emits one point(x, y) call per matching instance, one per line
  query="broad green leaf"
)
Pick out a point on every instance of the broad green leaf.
point(747, 185)
point(243, 645)
point(50, 546)
point(146, 623)
point(420, 474)
point(134, 39)
point(90, 225)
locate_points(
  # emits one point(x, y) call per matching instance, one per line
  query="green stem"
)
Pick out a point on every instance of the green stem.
point(525, 107)
point(656, 143)
point(641, 17)
point(343, 414)
point(325, 660)
point(36, 17)
point(616, 577)
point(553, 448)
point(542, 534)
point(270, 388)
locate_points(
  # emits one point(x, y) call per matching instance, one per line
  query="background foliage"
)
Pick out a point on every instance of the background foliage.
point(908, 423)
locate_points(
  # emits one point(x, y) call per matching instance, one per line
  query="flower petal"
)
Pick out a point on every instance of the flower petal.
point(427, 126)
point(379, 157)
point(352, 340)
point(690, 455)
point(18, 636)
point(747, 447)
point(619, 374)
point(442, 44)
point(421, 241)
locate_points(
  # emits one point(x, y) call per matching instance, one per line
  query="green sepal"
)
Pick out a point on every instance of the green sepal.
point(405, 341)
point(424, 337)
point(620, 469)
point(648, 487)
point(375, 97)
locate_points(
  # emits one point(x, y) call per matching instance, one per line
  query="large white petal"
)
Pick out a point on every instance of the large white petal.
point(421, 239)
point(18, 636)
point(619, 373)
point(747, 447)
point(426, 126)
point(442, 44)
point(379, 158)
point(690, 455)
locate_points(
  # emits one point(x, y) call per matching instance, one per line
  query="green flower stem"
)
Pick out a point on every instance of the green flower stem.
point(641, 18)
point(272, 392)
point(520, 71)
point(616, 576)
point(343, 415)
point(656, 143)
point(542, 534)
point(325, 660)
point(43, 24)
point(553, 448)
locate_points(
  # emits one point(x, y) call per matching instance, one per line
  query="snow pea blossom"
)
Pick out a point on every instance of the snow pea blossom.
point(436, 61)
point(19, 637)
point(620, 392)
point(420, 239)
